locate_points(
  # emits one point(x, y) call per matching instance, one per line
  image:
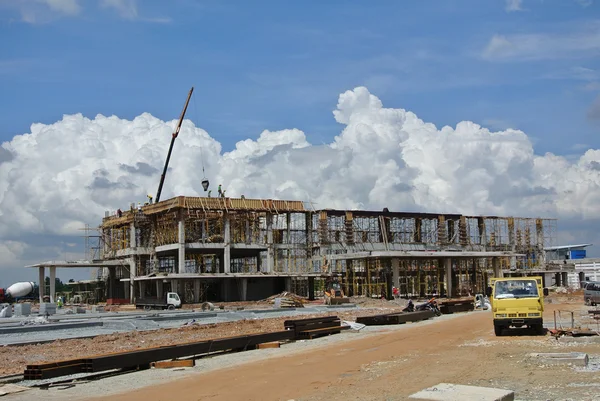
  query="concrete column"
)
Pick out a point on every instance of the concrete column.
point(288, 227)
point(42, 282)
point(248, 232)
point(159, 288)
point(243, 283)
point(127, 291)
point(181, 247)
point(396, 272)
point(132, 275)
point(197, 291)
point(496, 266)
point(311, 288)
point(132, 239)
point(288, 284)
point(52, 283)
point(225, 290)
point(142, 288)
point(270, 250)
point(448, 268)
point(175, 287)
point(227, 240)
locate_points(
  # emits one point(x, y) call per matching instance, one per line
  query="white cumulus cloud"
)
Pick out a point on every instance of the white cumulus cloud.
point(60, 176)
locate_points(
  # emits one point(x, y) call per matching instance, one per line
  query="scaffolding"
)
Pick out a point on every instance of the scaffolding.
point(278, 237)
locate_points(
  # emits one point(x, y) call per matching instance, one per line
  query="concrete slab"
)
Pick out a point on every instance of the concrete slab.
point(579, 340)
point(566, 358)
point(452, 392)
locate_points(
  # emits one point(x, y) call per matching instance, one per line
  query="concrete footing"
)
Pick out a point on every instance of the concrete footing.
point(47, 308)
point(567, 358)
point(23, 309)
point(452, 392)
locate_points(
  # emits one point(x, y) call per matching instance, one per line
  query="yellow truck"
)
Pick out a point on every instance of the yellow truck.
point(517, 302)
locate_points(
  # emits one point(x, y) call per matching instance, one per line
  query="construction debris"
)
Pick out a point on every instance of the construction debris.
point(287, 300)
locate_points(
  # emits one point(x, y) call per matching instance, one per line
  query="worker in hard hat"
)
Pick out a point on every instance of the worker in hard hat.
point(149, 198)
point(220, 191)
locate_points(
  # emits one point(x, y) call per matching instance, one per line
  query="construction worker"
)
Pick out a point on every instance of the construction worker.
point(119, 213)
point(139, 207)
point(209, 193)
point(149, 198)
point(243, 197)
point(220, 191)
point(223, 194)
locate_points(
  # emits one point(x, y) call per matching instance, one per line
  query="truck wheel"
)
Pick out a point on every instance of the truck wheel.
point(171, 307)
point(538, 328)
point(147, 307)
point(498, 330)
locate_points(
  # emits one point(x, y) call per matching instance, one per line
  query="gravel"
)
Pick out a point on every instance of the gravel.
point(127, 338)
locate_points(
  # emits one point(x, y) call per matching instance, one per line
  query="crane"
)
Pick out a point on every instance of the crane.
point(205, 182)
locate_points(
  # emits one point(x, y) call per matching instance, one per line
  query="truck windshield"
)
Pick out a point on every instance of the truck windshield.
point(515, 289)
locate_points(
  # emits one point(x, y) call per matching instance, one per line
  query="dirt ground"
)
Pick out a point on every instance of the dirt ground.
point(395, 364)
point(14, 359)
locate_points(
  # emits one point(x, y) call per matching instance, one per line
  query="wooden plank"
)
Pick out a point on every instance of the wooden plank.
point(187, 363)
point(275, 344)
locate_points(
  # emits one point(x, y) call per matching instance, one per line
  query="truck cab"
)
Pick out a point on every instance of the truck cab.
point(170, 300)
point(517, 302)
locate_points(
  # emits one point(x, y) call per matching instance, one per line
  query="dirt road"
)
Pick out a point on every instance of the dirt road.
point(396, 364)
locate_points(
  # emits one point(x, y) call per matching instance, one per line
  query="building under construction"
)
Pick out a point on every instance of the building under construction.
point(226, 249)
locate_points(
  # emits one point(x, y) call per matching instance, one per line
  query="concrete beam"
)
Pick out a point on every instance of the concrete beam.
point(452, 392)
point(421, 254)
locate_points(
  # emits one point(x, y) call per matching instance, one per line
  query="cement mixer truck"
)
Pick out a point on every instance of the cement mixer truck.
point(17, 290)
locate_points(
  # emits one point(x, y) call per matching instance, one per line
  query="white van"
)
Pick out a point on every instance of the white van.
point(591, 293)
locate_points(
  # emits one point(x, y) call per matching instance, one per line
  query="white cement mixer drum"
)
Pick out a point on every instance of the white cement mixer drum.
point(20, 289)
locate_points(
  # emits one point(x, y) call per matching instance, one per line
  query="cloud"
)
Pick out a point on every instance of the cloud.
point(513, 5)
point(582, 42)
point(382, 157)
point(41, 11)
point(127, 9)
point(584, 3)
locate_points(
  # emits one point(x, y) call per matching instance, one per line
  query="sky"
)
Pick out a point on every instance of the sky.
point(469, 106)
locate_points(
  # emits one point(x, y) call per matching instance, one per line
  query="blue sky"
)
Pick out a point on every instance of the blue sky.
point(280, 64)
point(533, 65)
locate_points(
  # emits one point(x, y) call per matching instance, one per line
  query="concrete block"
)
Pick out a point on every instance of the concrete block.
point(566, 358)
point(451, 392)
point(79, 309)
point(98, 309)
point(6, 310)
point(23, 309)
point(47, 308)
